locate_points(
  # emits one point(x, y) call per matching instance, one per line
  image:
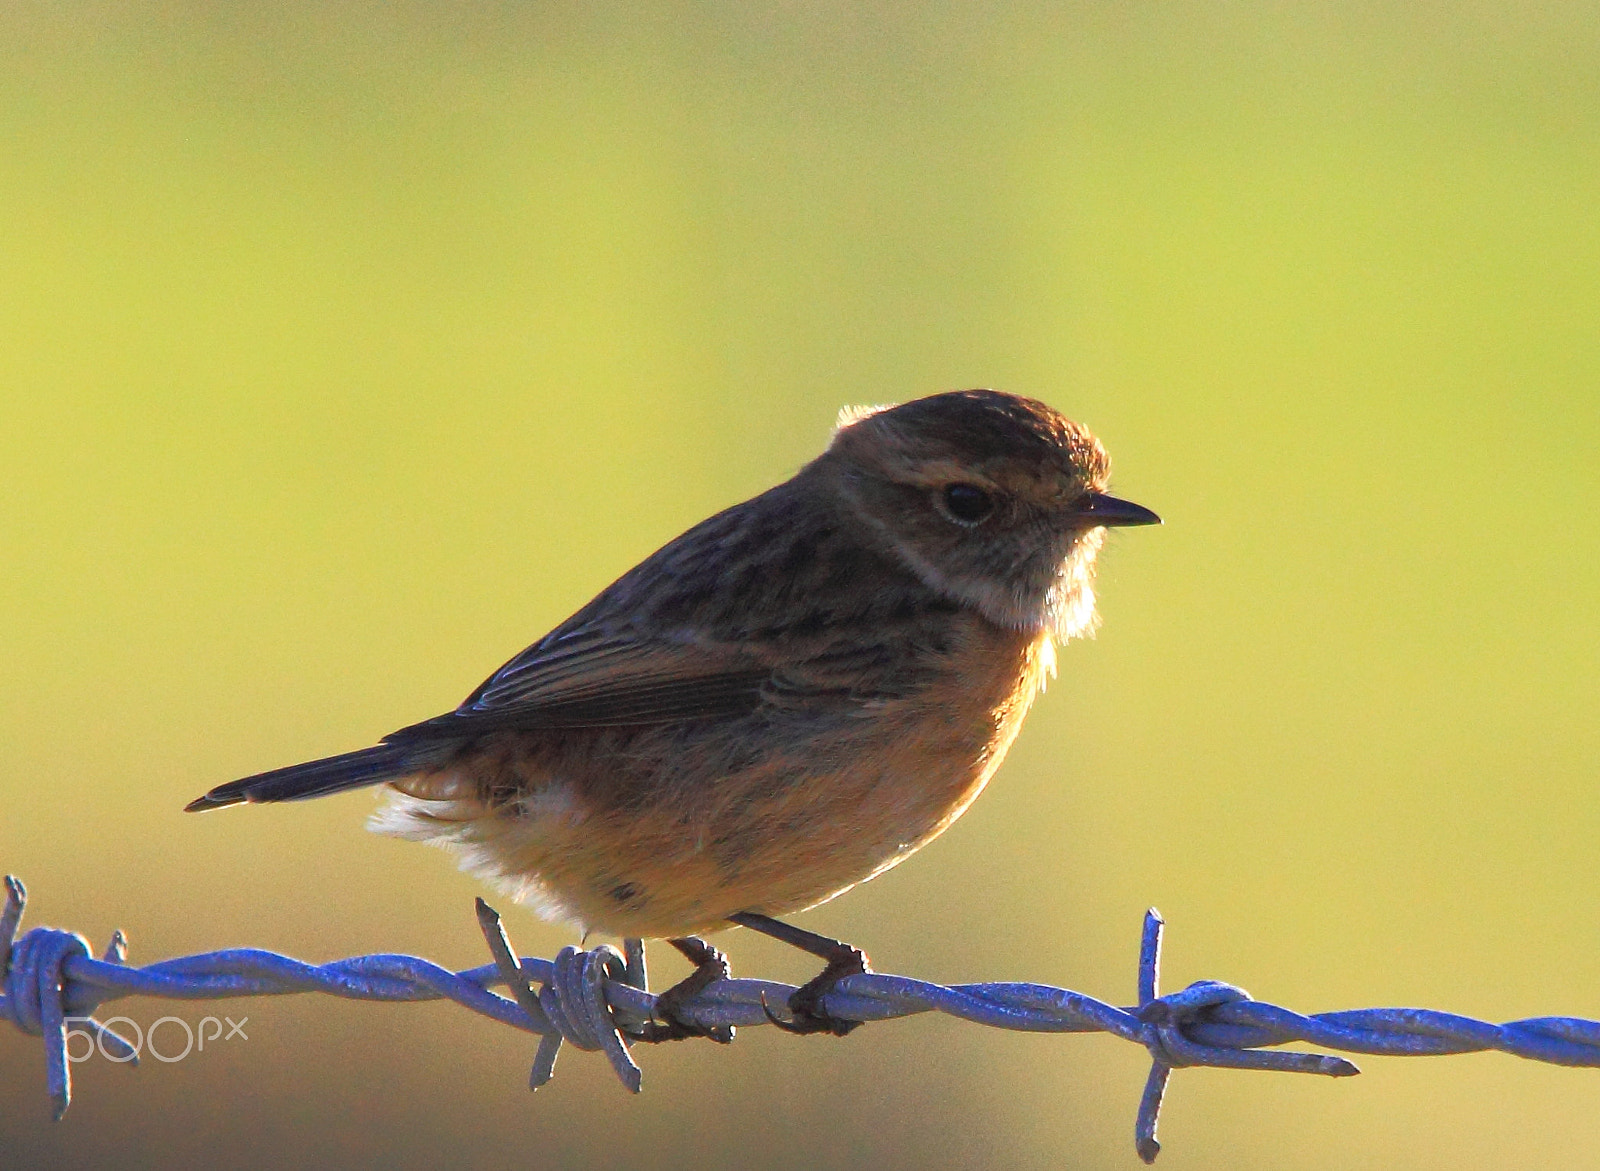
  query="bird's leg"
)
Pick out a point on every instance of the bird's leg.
point(710, 965)
point(806, 1003)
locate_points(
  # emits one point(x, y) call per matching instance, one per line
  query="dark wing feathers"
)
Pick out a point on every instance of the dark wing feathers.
point(677, 639)
point(583, 678)
point(350, 770)
point(589, 677)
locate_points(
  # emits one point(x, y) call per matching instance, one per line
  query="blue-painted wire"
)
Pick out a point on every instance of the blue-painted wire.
point(591, 999)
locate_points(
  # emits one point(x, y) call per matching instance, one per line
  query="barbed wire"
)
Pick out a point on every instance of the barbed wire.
point(598, 1000)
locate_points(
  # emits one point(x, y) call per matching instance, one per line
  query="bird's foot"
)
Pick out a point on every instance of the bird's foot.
point(671, 1024)
point(806, 1011)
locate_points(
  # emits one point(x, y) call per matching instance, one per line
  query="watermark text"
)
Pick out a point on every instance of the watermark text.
point(168, 1039)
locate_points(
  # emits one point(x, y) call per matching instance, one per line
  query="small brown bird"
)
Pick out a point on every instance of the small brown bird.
point(787, 700)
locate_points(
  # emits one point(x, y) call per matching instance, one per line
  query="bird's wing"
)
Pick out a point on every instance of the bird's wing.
point(589, 676)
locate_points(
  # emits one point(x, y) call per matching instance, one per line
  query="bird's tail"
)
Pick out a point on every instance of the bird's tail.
point(316, 778)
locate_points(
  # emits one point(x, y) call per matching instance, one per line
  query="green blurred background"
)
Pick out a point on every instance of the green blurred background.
point(347, 347)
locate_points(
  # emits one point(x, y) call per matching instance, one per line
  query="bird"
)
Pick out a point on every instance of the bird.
point(785, 701)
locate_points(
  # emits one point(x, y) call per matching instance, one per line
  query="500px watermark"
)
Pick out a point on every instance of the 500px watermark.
point(143, 1041)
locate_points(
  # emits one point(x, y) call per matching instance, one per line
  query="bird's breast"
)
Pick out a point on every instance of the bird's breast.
point(670, 829)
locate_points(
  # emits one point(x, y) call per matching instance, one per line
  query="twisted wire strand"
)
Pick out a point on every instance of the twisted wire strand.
point(597, 1000)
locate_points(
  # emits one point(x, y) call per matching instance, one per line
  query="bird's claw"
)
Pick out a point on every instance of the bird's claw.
point(807, 1014)
point(670, 1023)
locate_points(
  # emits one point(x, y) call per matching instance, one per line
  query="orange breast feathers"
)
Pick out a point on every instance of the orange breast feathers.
point(666, 830)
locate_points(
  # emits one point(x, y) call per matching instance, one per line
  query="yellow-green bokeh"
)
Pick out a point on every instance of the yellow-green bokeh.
point(345, 348)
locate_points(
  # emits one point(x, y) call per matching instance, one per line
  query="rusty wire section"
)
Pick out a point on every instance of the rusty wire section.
point(597, 1000)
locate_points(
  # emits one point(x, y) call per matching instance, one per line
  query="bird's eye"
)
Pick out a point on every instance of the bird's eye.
point(967, 503)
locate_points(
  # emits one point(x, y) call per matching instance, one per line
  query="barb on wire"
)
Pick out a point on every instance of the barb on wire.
point(597, 1000)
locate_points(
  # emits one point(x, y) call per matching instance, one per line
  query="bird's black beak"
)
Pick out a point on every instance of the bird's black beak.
point(1097, 509)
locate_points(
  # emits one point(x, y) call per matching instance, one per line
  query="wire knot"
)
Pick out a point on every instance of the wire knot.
point(1162, 1023)
point(574, 998)
point(41, 996)
point(574, 1001)
point(571, 1004)
point(1166, 1017)
point(38, 992)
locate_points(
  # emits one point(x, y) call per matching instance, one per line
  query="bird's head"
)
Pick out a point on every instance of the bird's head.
point(994, 500)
